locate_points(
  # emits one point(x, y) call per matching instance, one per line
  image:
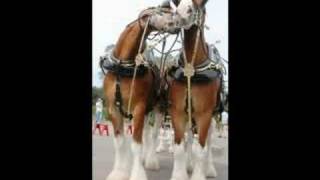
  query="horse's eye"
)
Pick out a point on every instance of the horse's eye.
point(189, 11)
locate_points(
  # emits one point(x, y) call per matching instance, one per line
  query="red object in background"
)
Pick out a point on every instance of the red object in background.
point(101, 128)
point(104, 127)
point(97, 126)
point(129, 129)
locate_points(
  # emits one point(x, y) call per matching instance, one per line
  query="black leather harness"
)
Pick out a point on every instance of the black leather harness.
point(205, 72)
point(121, 68)
point(202, 74)
point(126, 69)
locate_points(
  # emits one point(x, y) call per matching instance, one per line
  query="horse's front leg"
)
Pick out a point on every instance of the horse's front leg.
point(138, 172)
point(203, 121)
point(122, 163)
point(189, 150)
point(179, 171)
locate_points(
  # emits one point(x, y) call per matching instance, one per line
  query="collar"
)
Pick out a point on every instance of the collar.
point(126, 63)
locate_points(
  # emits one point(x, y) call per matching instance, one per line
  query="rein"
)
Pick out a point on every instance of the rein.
point(189, 70)
point(139, 60)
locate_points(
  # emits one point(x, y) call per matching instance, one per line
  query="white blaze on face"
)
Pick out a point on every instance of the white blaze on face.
point(185, 11)
point(173, 7)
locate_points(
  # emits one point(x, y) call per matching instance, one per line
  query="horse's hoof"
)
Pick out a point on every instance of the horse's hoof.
point(118, 175)
point(182, 176)
point(198, 177)
point(211, 171)
point(139, 175)
point(152, 163)
point(179, 178)
point(170, 150)
point(160, 149)
point(142, 177)
point(189, 169)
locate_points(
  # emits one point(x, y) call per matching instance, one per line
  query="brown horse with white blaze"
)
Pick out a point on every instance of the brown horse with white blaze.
point(115, 85)
point(204, 96)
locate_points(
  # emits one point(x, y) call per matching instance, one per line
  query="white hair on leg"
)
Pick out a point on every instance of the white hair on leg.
point(152, 161)
point(161, 146)
point(199, 159)
point(210, 170)
point(138, 172)
point(145, 139)
point(123, 161)
point(171, 140)
point(179, 165)
point(213, 136)
point(189, 151)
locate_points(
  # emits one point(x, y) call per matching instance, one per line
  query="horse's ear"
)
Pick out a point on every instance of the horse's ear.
point(200, 3)
point(176, 2)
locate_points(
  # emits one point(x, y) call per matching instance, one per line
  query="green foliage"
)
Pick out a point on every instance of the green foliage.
point(97, 92)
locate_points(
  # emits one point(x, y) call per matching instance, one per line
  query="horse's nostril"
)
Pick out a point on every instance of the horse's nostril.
point(170, 24)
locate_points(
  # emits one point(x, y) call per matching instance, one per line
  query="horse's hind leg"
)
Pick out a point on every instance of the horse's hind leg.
point(210, 170)
point(122, 163)
point(203, 121)
point(146, 138)
point(162, 134)
point(151, 159)
point(138, 172)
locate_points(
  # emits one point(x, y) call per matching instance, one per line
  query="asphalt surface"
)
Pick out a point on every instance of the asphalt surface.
point(103, 158)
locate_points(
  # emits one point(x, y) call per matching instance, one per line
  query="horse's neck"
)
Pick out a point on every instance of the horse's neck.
point(128, 44)
point(190, 42)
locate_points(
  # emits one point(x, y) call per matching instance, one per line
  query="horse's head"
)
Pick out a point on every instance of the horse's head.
point(188, 12)
point(162, 19)
point(165, 22)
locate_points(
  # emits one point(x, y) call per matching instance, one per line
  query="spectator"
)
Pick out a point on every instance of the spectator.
point(99, 108)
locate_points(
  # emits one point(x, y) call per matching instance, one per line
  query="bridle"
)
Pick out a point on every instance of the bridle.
point(189, 70)
point(198, 21)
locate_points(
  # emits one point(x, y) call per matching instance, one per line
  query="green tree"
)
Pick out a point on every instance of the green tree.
point(97, 92)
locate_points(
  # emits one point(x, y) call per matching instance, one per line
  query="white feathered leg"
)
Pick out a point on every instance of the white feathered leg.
point(210, 170)
point(189, 151)
point(161, 146)
point(151, 161)
point(179, 165)
point(145, 140)
point(198, 172)
point(138, 172)
point(171, 140)
point(122, 164)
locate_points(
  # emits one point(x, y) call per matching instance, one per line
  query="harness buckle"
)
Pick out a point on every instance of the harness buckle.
point(140, 60)
point(188, 70)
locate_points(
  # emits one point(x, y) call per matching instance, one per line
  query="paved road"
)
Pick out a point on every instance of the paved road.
point(103, 157)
